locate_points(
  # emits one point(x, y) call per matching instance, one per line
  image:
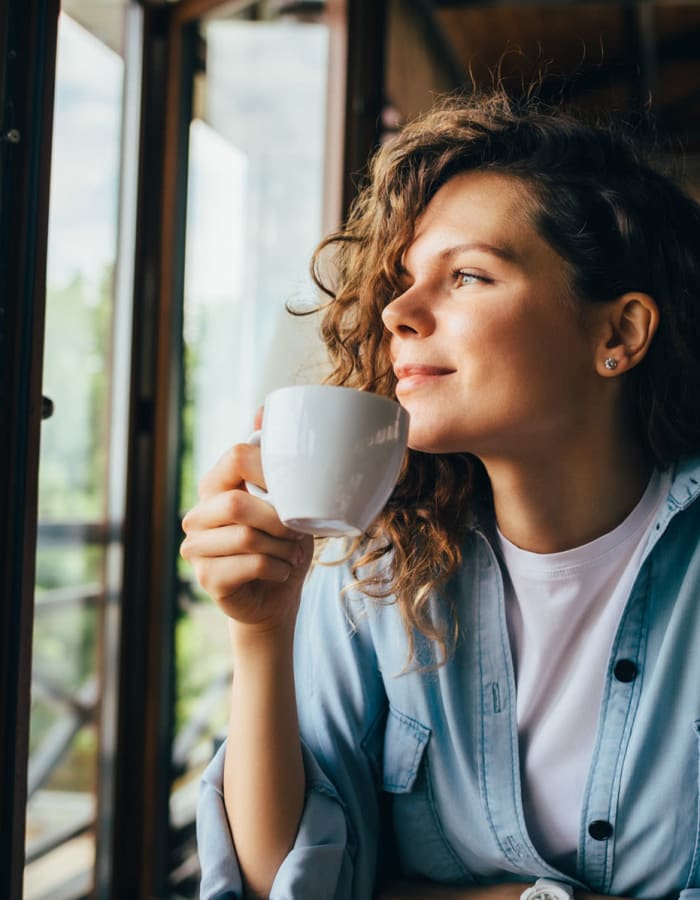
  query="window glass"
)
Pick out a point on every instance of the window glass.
point(255, 200)
point(73, 471)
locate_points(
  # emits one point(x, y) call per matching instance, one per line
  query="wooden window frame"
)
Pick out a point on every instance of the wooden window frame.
point(27, 71)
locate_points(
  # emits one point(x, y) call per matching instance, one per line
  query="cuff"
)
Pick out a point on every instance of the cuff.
point(316, 868)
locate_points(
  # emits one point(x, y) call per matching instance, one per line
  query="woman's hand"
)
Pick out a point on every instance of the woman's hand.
point(254, 568)
point(243, 556)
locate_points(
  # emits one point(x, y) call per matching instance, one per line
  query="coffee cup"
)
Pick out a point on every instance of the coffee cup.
point(330, 456)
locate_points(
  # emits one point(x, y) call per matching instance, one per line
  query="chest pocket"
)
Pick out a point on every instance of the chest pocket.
point(421, 844)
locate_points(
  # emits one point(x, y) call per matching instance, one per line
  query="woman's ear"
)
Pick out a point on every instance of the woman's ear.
point(631, 322)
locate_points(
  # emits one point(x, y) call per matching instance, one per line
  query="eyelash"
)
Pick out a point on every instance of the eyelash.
point(465, 273)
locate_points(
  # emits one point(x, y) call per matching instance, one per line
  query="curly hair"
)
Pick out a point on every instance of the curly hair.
point(618, 223)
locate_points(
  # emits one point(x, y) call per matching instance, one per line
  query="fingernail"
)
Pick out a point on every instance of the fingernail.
point(299, 556)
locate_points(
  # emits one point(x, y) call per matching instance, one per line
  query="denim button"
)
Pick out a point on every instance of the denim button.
point(625, 670)
point(600, 830)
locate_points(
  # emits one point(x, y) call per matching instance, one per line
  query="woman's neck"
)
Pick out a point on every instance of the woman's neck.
point(550, 504)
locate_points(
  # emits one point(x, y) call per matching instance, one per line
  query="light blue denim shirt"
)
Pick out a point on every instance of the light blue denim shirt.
point(438, 749)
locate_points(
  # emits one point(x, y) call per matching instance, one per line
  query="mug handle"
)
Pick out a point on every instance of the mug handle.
point(253, 489)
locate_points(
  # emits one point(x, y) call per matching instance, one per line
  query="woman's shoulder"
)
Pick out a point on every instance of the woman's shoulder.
point(365, 577)
point(333, 596)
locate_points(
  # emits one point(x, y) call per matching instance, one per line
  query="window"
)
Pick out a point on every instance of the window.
point(82, 463)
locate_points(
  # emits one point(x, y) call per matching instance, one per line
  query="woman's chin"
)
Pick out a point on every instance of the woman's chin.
point(434, 444)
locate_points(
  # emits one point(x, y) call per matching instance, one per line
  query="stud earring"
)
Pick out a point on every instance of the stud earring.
point(610, 362)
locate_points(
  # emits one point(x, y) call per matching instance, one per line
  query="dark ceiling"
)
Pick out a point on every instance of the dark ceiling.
point(619, 56)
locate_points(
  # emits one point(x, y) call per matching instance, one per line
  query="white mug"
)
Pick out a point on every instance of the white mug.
point(330, 456)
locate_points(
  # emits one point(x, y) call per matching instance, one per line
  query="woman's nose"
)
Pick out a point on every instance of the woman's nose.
point(406, 314)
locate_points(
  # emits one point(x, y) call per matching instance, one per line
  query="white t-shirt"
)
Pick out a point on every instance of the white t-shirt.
point(563, 610)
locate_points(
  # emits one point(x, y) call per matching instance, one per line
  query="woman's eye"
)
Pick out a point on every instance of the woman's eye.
point(463, 278)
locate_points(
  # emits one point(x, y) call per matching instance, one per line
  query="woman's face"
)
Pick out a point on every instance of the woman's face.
point(492, 354)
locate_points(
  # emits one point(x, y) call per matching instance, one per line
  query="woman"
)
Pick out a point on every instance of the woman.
point(501, 685)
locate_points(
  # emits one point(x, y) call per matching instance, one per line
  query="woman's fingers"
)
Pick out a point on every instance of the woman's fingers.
point(223, 576)
point(239, 540)
point(236, 543)
point(240, 463)
point(235, 507)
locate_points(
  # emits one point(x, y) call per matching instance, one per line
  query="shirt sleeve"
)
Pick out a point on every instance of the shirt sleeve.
point(318, 856)
point(342, 708)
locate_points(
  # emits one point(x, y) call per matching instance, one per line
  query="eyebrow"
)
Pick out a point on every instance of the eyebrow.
point(505, 253)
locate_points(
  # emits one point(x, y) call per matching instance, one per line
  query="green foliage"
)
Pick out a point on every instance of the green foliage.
point(61, 566)
point(188, 488)
point(201, 644)
point(72, 482)
point(202, 653)
point(76, 377)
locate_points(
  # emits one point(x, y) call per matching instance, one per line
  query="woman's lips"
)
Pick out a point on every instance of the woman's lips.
point(413, 375)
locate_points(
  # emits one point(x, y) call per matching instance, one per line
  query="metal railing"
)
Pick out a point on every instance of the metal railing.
point(80, 707)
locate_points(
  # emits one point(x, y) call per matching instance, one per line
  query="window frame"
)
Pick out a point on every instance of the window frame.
point(28, 51)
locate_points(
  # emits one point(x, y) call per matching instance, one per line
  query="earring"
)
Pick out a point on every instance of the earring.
point(610, 362)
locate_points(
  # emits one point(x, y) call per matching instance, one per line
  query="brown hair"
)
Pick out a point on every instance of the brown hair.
point(619, 224)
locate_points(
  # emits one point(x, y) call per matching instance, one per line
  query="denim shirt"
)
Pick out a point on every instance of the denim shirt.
point(421, 764)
